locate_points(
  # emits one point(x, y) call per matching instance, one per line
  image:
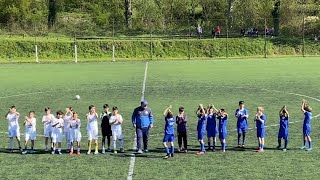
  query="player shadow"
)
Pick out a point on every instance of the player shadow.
point(17, 151)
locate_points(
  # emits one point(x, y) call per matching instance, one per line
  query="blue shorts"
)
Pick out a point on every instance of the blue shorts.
point(306, 130)
point(201, 135)
point(261, 133)
point(168, 138)
point(222, 135)
point(241, 130)
point(283, 133)
point(211, 133)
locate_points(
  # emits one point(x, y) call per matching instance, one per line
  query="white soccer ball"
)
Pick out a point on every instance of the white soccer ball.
point(77, 97)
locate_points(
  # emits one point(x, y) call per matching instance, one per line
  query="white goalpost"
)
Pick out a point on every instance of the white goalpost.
point(113, 53)
point(75, 53)
point(36, 53)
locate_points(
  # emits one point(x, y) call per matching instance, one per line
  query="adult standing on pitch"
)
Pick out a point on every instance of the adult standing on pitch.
point(142, 120)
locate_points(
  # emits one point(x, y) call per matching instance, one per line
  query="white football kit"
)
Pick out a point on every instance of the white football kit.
point(92, 127)
point(13, 125)
point(30, 132)
point(75, 133)
point(57, 130)
point(47, 128)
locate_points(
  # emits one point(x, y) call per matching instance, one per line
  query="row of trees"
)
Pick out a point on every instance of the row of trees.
point(289, 16)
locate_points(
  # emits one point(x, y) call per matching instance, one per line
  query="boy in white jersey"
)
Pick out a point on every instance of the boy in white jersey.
point(57, 125)
point(30, 133)
point(66, 118)
point(92, 128)
point(46, 120)
point(115, 122)
point(75, 134)
point(13, 126)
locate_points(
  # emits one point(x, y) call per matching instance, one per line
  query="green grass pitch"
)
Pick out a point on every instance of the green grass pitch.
point(270, 83)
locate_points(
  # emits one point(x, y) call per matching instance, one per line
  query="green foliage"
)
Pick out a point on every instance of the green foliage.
point(12, 50)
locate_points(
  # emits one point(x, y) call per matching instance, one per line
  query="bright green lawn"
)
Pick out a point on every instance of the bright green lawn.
point(183, 83)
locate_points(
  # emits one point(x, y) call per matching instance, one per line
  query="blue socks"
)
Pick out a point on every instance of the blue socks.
point(239, 135)
point(172, 149)
point(243, 138)
point(285, 143)
point(279, 142)
point(202, 147)
point(209, 144)
point(223, 145)
point(167, 150)
point(310, 144)
point(304, 142)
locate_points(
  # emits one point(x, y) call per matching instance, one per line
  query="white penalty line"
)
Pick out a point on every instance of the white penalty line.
point(133, 157)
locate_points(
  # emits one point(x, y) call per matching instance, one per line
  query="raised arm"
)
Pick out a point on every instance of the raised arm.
point(214, 108)
point(202, 109)
point(303, 104)
point(168, 109)
point(280, 112)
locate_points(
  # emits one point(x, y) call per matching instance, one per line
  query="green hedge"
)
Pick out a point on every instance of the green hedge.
point(23, 51)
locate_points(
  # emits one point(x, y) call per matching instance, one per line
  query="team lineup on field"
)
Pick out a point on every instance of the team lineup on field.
point(211, 121)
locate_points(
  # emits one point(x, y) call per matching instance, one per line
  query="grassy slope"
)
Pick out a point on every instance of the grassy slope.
point(185, 83)
point(50, 49)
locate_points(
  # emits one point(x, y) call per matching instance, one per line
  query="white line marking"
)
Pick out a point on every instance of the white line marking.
point(133, 157)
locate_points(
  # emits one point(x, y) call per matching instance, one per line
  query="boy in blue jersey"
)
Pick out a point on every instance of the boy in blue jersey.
point(260, 120)
point(242, 123)
point(211, 126)
point(284, 128)
point(222, 116)
point(169, 132)
point(201, 127)
point(306, 109)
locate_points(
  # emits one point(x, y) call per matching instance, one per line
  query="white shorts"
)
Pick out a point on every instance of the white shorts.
point(117, 134)
point(57, 135)
point(67, 135)
point(30, 134)
point(75, 135)
point(14, 132)
point(48, 131)
point(93, 134)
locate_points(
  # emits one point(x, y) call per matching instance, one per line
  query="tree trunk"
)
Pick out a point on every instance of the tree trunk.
point(276, 17)
point(229, 13)
point(52, 14)
point(128, 12)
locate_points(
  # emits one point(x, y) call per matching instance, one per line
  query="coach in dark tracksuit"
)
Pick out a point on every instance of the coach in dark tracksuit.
point(142, 120)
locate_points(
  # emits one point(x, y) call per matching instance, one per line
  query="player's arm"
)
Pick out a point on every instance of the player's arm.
point(6, 116)
point(303, 104)
point(28, 120)
point(256, 117)
point(236, 114)
point(120, 119)
point(133, 118)
point(44, 120)
point(151, 118)
point(214, 108)
point(202, 109)
point(168, 109)
point(246, 115)
point(260, 119)
point(280, 112)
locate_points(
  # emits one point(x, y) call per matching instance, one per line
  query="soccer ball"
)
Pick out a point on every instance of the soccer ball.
point(77, 97)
